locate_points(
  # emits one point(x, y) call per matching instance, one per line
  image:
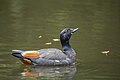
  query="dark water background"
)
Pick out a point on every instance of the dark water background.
point(23, 21)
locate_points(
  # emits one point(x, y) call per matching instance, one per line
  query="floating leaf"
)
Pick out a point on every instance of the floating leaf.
point(40, 37)
point(49, 43)
point(105, 52)
point(56, 39)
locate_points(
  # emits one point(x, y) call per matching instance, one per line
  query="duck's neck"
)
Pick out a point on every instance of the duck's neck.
point(68, 50)
point(65, 45)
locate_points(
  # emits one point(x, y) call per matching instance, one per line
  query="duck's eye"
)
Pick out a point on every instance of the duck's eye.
point(69, 31)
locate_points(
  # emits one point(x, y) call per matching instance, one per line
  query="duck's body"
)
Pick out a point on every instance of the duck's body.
point(50, 56)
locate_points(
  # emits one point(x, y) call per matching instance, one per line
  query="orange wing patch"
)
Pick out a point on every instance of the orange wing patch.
point(31, 54)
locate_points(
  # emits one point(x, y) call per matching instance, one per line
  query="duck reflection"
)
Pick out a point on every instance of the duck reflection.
point(56, 72)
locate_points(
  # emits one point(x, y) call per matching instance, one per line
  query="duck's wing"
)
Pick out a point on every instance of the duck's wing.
point(50, 62)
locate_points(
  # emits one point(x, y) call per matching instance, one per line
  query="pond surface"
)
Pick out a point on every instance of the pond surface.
point(33, 24)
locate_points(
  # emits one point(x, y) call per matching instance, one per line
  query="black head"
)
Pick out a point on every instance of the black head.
point(66, 33)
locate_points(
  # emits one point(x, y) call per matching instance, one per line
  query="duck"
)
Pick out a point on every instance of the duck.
point(50, 56)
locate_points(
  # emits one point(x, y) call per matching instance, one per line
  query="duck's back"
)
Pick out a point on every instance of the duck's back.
point(52, 54)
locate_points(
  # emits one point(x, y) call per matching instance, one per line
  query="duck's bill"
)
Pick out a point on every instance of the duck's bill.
point(74, 29)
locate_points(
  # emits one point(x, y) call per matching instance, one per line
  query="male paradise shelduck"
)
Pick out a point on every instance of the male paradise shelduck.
point(50, 56)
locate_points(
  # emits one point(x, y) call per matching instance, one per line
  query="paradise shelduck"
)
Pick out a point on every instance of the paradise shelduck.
point(50, 56)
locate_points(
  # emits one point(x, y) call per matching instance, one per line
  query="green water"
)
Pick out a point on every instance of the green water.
point(23, 21)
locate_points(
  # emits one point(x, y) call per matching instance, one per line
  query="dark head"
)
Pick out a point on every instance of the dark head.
point(65, 35)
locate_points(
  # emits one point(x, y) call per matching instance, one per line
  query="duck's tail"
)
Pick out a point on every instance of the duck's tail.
point(27, 57)
point(17, 53)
